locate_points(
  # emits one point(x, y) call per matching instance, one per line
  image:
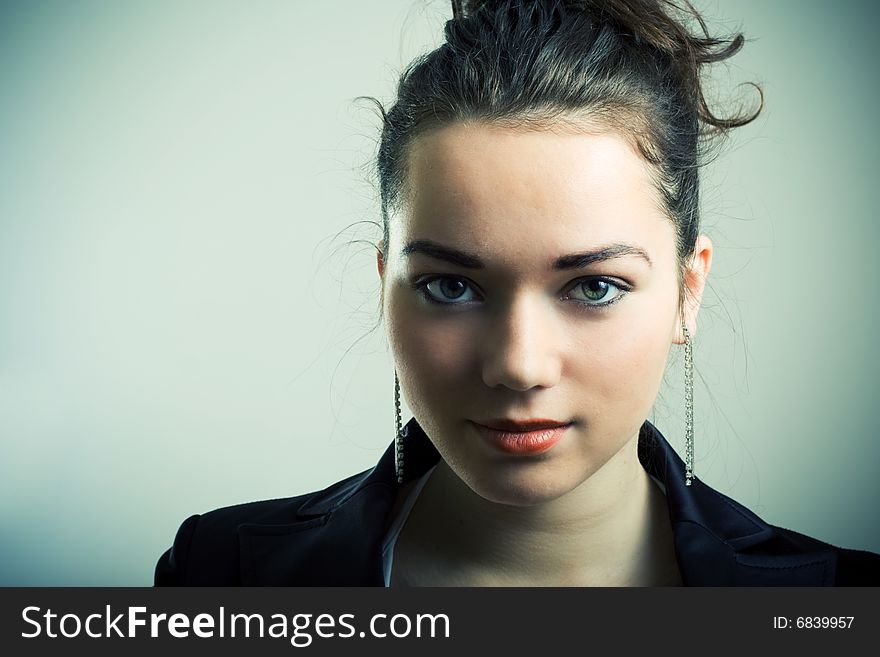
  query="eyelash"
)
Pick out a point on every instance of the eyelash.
point(421, 286)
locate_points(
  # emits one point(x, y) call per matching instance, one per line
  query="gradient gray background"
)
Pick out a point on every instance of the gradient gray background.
point(179, 329)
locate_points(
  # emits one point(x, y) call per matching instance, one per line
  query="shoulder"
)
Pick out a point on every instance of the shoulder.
point(853, 567)
point(720, 542)
point(207, 547)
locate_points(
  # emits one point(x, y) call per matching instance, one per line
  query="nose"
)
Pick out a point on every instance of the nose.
point(521, 347)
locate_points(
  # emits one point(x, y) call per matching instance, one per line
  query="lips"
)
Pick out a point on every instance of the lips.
point(522, 437)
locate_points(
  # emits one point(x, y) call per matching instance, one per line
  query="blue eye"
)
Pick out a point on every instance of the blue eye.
point(594, 290)
point(446, 289)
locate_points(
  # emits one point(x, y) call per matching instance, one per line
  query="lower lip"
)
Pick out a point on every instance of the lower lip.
point(523, 442)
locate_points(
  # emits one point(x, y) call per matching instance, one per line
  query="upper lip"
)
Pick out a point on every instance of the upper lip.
point(535, 424)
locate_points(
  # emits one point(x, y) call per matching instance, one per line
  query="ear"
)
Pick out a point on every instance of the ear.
point(380, 261)
point(695, 283)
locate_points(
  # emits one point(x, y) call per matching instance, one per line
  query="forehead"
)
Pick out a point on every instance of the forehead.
point(491, 184)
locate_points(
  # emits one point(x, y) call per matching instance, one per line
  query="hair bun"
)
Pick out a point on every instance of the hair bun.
point(658, 24)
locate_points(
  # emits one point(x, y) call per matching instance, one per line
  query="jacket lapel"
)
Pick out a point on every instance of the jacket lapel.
point(336, 535)
point(336, 538)
point(719, 542)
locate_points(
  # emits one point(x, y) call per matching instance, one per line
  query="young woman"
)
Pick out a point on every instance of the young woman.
point(541, 255)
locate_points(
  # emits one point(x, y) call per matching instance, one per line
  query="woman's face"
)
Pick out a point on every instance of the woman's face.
point(495, 310)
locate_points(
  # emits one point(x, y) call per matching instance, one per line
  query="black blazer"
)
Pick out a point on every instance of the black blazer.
point(334, 537)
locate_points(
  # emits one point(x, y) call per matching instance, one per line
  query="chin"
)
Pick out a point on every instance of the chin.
point(522, 490)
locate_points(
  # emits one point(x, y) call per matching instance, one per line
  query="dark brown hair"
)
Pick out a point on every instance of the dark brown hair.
point(631, 66)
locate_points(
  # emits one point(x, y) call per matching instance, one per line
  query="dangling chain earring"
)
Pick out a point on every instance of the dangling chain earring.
point(399, 433)
point(688, 407)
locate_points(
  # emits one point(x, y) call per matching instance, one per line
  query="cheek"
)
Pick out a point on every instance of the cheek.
point(433, 350)
point(624, 365)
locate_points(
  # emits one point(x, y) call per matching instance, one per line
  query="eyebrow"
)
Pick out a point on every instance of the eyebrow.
point(571, 261)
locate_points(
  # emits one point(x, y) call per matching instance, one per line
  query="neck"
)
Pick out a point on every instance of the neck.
point(603, 532)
